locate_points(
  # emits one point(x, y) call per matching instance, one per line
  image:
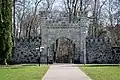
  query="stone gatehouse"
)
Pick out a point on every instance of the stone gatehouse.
point(52, 34)
point(65, 42)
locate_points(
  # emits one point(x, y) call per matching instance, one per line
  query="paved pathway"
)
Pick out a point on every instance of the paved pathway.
point(65, 72)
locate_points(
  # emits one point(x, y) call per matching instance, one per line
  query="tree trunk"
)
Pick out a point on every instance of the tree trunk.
point(5, 30)
point(5, 61)
point(14, 27)
point(94, 19)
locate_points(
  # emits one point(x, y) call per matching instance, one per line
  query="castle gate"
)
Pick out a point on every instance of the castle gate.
point(63, 50)
point(67, 37)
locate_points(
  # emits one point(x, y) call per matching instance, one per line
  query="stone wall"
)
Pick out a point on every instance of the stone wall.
point(99, 50)
point(116, 54)
point(25, 51)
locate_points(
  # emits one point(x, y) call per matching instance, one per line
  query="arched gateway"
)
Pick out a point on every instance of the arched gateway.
point(63, 50)
point(62, 40)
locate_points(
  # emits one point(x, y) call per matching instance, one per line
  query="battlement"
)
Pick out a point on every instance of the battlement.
point(66, 27)
point(98, 40)
point(31, 39)
point(63, 22)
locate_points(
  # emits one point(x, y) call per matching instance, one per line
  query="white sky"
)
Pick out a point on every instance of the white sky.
point(57, 4)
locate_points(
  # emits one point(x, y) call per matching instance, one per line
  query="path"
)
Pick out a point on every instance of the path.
point(65, 72)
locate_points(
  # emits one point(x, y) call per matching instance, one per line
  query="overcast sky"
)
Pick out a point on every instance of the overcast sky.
point(57, 4)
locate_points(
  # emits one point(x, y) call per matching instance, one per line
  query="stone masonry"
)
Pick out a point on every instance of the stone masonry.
point(98, 50)
point(51, 31)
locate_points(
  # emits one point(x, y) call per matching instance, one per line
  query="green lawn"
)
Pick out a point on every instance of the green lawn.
point(102, 72)
point(22, 72)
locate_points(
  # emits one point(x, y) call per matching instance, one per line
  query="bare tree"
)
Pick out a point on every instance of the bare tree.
point(36, 5)
point(72, 9)
point(14, 27)
point(21, 10)
point(76, 8)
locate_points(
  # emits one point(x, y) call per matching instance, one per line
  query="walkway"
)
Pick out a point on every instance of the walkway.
point(65, 72)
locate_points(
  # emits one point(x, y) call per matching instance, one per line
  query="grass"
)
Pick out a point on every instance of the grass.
point(22, 72)
point(102, 72)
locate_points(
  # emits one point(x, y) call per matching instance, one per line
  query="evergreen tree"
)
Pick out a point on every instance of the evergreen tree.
point(5, 29)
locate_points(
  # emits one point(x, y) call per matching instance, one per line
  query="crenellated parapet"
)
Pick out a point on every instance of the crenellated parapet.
point(25, 50)
point(99, 50)
point(98, 40)
point(64, 22)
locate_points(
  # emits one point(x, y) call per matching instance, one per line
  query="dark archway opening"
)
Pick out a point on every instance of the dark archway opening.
point(63, 50)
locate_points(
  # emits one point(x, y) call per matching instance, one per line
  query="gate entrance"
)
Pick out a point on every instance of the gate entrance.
point(60, 37)
point(63, 50)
